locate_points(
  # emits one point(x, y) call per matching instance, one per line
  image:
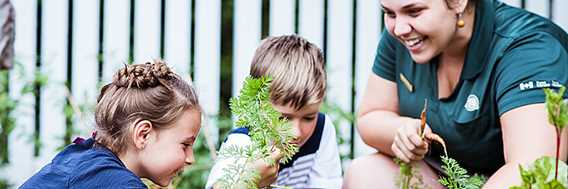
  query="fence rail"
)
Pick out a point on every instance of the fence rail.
point(79, 43)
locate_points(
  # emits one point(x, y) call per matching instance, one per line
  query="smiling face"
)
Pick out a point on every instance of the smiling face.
point(425, 27)
point(169, 150)
point(303, 121)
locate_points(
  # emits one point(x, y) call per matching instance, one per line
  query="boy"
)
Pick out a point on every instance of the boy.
point(297, 91)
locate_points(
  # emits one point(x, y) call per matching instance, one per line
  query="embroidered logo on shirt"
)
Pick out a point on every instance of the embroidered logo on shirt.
point(527, 85)
point(472, 103)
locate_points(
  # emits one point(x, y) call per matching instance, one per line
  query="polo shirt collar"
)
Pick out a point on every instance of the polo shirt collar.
point(480, 44)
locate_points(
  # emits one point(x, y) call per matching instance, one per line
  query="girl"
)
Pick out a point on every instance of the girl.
point(147, 119)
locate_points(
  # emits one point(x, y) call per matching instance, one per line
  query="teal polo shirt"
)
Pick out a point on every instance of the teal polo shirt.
point(512, 55)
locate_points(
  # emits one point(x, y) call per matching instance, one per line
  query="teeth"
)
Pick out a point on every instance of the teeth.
point(413, 41)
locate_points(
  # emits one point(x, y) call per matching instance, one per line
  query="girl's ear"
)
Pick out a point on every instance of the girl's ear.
point(141, 133)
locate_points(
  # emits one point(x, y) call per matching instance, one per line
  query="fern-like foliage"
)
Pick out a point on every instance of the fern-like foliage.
point(267, 130)
point(458, 177)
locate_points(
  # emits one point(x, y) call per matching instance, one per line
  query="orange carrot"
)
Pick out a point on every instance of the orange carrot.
point(423, 118)
point(435, 137)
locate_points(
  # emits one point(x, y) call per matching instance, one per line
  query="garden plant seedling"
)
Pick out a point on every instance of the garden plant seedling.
point(268, 132)
point(549, 172)
point(457, 177)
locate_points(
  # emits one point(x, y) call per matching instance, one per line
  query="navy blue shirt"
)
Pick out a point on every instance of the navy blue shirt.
point(82, 165)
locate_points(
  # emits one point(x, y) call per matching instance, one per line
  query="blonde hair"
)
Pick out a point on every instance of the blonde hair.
point(296, 67)
point(149, 91)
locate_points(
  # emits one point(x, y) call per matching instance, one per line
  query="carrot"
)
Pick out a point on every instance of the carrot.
point(435, 137)
point(423, 119)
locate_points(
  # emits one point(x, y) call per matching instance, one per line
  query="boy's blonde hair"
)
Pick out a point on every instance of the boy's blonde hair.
point(296, 67)
point(149, 91)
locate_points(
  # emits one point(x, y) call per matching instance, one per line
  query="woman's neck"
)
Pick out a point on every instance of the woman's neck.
point(457, 49)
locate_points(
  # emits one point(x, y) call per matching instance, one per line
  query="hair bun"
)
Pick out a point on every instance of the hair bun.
point(147, 75)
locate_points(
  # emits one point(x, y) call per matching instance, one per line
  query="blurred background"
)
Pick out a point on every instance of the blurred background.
point(61, 51)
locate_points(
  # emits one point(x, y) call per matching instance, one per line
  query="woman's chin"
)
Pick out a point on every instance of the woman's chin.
point(422, 57)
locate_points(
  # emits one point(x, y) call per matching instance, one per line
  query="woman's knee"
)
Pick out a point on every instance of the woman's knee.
point(371, 170)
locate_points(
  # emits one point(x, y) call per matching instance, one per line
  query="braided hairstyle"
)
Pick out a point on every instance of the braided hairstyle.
point(149, 91)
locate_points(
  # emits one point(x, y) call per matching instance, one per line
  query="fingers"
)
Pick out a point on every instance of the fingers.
point(276, 154)
point(407, 144)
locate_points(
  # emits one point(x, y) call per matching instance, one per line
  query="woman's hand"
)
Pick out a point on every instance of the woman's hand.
point(407, 144)
point(268, 173)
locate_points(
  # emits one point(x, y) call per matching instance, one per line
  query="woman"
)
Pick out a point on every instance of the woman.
point(481, 65)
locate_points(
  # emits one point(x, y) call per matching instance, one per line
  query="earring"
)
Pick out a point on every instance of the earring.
point(461, 22)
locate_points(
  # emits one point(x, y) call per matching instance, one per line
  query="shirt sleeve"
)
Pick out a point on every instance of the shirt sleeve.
point(236, 139)
point(327, 168)
point(530, 64)
point(385, 59)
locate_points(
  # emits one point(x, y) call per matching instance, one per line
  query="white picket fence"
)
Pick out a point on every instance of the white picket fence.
point(207, 43)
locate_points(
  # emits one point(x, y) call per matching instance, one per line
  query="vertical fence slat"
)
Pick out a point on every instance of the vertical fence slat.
point(146, 31)
point(515, 3)
point(368, 31)
point(560, 13)
point(247, 28)
point(339, 59)
point(115, 41)
point(539, 7)
point(311, 21)
point(177, 36)
point(207, 57)
point(20, 140)
point(281, 17)
point(85, 59)
point(54, 64)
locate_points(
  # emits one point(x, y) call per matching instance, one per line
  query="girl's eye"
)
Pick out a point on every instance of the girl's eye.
point(185, 145)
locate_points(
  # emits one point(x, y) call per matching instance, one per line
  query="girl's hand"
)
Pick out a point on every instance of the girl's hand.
point(268, 173)
point(407, 144)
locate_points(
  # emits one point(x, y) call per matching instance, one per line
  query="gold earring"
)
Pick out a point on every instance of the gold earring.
point(461, 22)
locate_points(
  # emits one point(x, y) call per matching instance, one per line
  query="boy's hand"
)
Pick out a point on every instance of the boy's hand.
point(407, 144)
point(268, 173)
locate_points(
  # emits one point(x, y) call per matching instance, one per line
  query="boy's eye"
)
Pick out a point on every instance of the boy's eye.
point(309, 118)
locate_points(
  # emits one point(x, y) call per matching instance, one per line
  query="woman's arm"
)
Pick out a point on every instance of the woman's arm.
point(527, 136)
point(377, 118)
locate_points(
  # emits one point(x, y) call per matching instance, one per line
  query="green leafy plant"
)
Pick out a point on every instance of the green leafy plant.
point(409, 176)
point(539, 174)
point(457, 177)
point(267, 130)
point(557, 116)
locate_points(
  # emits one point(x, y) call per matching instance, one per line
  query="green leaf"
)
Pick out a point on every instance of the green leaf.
point(540, 174)
point(254, 111)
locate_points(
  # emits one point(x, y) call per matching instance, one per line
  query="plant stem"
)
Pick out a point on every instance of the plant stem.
point(558, 132)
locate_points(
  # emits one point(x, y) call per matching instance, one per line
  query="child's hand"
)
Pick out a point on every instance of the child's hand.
point(268, 173)
point(407, 144)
